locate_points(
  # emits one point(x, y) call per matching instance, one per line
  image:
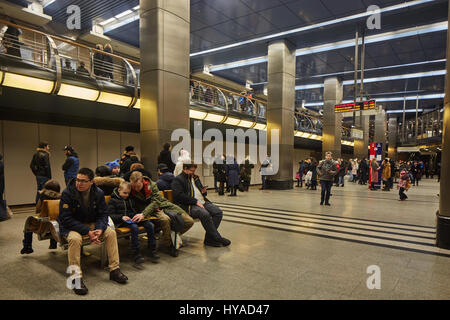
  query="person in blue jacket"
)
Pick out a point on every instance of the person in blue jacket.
point(72, 164)
point(83, 212)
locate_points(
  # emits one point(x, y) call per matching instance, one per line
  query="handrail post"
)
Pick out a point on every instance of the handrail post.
point(54, 53)
point(133, 74)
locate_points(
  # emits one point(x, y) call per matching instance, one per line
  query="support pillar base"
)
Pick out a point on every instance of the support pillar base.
point(280, 184)
point(442, 231)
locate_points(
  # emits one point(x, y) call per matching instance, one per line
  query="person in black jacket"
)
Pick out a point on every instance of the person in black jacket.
point(83, 212)
point(127, 160)
point(71, 165)
point(166, 157)
point(122, 212)
point(40, 165)
point(108, 63)
point(220, 175)
point(190, 195)
point(165, 177)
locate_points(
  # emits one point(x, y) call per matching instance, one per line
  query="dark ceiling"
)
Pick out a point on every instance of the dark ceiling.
point(215, 23)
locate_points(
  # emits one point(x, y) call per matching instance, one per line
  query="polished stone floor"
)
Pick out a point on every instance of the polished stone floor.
point(284, 246)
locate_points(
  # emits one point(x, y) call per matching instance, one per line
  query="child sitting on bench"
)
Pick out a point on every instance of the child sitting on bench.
point(51, 191)
point(121, 211)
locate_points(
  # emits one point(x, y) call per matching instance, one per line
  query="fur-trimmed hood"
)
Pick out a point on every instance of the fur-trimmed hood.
point(107, 181)
point(50, 194)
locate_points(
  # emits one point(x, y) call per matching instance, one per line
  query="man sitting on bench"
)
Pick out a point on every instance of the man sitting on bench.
point(83, 212)
point(190, 195)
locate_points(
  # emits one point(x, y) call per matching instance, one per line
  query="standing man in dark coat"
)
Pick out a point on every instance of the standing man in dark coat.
point(40, 165)
point(327, 169)
point(246, 173)
point(219, 170)
point(166, 157)
point(72, 164)
point(128, 158)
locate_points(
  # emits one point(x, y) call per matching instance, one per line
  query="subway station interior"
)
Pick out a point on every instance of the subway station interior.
point(342, 102)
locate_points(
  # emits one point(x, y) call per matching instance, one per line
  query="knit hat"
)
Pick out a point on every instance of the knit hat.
point(113, 164)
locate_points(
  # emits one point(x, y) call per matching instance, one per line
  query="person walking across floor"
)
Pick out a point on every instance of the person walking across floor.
point(404, 183)
point(327, 169)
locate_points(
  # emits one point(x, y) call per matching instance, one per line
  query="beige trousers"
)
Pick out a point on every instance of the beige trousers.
point(109, 238)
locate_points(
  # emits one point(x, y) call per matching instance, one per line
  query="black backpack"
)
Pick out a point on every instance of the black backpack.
point(176, 221)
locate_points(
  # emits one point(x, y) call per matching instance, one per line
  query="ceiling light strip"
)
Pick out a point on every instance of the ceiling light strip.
point(435, 27)
point(315, 26)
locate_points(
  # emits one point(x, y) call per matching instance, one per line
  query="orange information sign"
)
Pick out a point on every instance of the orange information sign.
point(359, 106)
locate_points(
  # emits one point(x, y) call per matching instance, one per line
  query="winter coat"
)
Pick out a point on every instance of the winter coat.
point(118, 207)
point(127, 162)
point(2, 177)
point(313, 169)
point(220, 171)
point(323, 169)
point(183, 192)
point(107, 184)
point(342, 170)
point(166, 157)
point(233, 171)
point(40, 164)
point(165, 181)
point(46, 194)
point(148, 200)
point(246, 171)
point(386, 173)
point(374, 168)
point(73, 215)
point(403, 182)
point(70, 167)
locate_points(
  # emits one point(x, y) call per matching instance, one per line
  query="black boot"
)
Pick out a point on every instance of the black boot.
point(27, 248)
point(152, 255)
point(137, 256)
point(53, 244)
point(118, 276)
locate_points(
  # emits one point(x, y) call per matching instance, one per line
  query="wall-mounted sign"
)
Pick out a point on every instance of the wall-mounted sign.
point(357, 134)
point(359, 106)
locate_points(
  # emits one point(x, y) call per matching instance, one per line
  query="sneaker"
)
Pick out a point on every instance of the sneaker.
point(26, 250)
point(321, 203)
point(212, 243)
point(118, 276)
point(82, 290)
point(225, 242)
point(327, 204)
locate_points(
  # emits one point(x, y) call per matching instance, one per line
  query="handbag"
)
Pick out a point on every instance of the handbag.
point(297, 176)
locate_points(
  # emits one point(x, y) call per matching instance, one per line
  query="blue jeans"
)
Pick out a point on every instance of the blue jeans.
point(40, 180)
point(148, 225)
point(341, 180)
point(263, 179)
point(326, 190)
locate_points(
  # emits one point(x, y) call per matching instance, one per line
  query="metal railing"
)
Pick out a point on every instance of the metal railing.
point(428, 127)
point(65, 57)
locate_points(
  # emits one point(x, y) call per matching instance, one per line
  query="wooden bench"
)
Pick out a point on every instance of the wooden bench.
point(46, 225)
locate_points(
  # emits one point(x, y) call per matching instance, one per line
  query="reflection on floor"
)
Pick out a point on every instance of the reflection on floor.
point(284, 246)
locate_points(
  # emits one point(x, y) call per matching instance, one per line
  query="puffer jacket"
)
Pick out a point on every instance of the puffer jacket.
point(183, 192)
point(165, 181)
point(73, 215)
point(118, 207)
point(323, 169)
